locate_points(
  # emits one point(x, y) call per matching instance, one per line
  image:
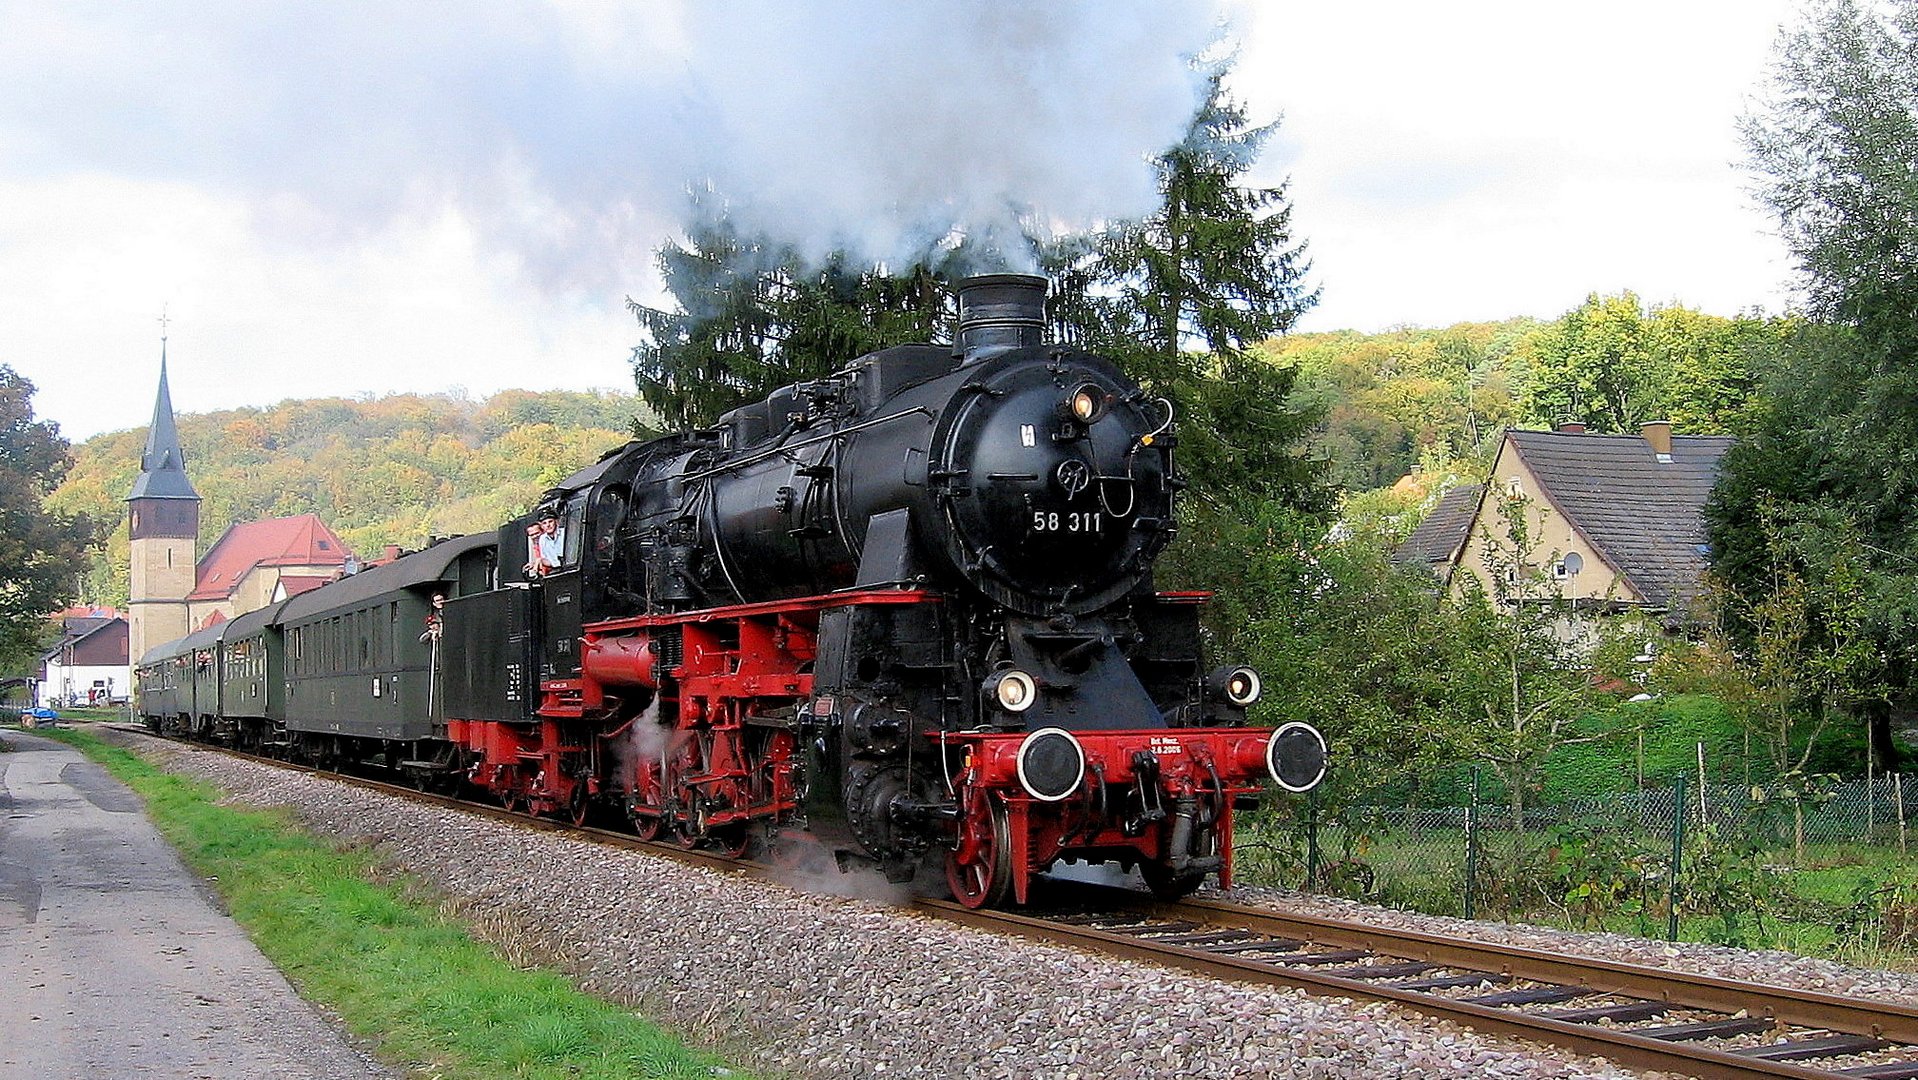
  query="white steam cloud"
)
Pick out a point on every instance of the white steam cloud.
point(570, 134)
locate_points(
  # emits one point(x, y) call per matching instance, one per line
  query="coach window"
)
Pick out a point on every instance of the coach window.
point(573, 529)
point(361, 624)
point(393, 633)
point(606, 520)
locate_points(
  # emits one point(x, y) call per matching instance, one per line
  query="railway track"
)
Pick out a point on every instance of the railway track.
point(1639, 1016)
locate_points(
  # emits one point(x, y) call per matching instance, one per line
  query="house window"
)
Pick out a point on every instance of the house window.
point(1559, 572)
point(1513, 488)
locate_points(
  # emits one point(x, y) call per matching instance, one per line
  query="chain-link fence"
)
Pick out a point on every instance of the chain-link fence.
point(1723, 856)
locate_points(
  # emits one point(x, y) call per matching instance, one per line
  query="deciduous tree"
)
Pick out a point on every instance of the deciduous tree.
point(1833, 451)
point(41, 553)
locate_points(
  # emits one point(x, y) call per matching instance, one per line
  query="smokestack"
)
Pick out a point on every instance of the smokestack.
point(1659, 434)
point(999, 313)
point(1570, 427)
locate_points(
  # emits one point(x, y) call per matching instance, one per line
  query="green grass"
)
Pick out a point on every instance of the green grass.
point(1812, 912)
point(402, 977)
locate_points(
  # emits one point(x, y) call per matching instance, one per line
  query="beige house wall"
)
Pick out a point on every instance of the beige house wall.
point(1551, 533)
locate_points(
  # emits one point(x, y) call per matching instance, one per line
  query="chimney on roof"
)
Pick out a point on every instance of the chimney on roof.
point(1570, 427)
point(1659, 434)
point(392, 552)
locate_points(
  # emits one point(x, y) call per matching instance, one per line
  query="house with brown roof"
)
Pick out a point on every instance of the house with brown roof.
point(89, 665)
point(1437, 542)
point(1615, 521)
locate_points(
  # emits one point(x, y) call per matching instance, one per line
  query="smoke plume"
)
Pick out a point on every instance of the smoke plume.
point(571, 134)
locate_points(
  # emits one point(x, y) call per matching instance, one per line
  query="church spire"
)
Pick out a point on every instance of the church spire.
point(163, 465)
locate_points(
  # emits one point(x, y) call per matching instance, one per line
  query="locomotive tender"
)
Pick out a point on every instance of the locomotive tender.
point(907, 609)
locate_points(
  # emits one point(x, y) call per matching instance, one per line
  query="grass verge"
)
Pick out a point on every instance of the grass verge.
point(401, 976)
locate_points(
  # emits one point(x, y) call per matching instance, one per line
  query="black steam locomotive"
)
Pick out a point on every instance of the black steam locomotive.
point(907, 609)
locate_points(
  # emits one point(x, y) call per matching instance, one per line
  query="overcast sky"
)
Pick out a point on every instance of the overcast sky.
point(333, 202)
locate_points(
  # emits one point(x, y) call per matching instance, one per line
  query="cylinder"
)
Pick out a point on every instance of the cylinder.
point(621, 661)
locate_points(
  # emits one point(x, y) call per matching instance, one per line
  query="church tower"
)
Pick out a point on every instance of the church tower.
point(163, 517)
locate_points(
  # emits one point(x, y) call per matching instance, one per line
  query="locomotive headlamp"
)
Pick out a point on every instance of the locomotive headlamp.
point(1087, 403)
point(1239, 686)
point(1013, 689)
point(1295, 756)
point(1052, 764)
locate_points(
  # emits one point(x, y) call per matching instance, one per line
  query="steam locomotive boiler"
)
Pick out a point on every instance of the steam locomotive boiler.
point(907, 609)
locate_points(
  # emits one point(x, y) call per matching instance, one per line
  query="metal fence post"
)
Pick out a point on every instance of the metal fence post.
point(1871, 795)
point(1678, 854)
point(1312, 839)
point(1471, 850)
point(1898, 785)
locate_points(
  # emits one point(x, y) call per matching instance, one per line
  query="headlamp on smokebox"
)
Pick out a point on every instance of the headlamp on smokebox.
point(1085, 404)
point(1238, 687)
point(1012, 690)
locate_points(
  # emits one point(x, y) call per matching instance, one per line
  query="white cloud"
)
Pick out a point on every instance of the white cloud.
point(419, 306)
point(1488, 159)
point(339, 201)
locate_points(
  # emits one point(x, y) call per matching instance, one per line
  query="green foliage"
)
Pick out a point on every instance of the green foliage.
point(1346, 640)
point(1179, 297)
point(1390, 400)
point(391, 470)
point(1883, 913)
point(397, 972)
point(1725, 880)
point(750, 317)
point(1829, 472)
point(1591, 875)
point(1525, 674)
point(42, 545)
point(1216, 264)
point(1611, 365)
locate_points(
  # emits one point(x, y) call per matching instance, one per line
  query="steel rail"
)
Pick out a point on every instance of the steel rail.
point(1805, 1008)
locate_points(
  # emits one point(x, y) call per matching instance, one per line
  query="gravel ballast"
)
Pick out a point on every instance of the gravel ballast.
point(811, 985)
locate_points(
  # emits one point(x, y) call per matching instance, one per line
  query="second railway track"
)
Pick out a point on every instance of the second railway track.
point(1641, 1016)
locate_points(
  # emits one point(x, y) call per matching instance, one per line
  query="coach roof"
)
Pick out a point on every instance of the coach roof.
point(432, 566)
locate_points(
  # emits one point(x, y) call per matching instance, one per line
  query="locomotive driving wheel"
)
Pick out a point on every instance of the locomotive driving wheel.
point(980, 871)
point(646, 826)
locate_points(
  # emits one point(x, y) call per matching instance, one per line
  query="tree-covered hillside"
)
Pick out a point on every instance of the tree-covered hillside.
point(1400, 398)
point(390, 470)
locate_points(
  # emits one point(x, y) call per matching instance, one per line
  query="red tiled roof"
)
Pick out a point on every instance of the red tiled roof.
point(213, 618)
point(301, 541)
point(294, 586)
